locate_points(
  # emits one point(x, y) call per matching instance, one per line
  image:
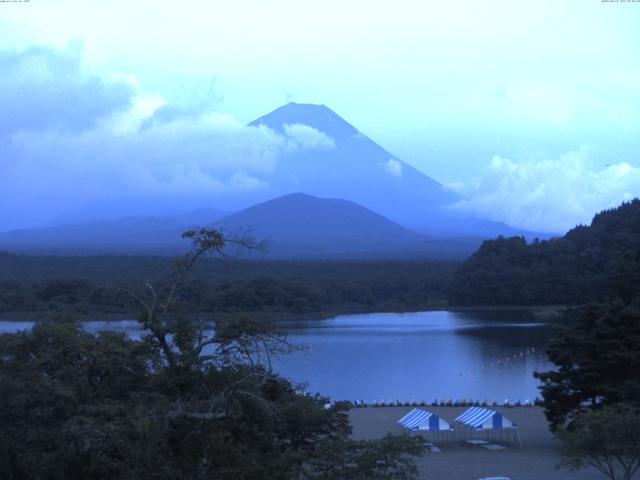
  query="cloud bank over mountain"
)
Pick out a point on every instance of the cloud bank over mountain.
point(72, 137)
point(44, 89)
point(548, 195)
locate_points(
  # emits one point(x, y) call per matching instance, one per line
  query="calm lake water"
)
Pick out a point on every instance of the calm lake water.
point(408, 356)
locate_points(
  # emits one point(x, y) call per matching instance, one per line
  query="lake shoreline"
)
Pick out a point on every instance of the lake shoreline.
point(553, 313)
point(382, 356)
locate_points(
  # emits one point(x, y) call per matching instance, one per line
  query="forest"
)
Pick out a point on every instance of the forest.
point(175, 403)
point(589, 264)
point(87, 286)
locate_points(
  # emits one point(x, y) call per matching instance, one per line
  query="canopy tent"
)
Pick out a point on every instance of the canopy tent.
point(418, 419)
point(478, 418)
point(483, 418)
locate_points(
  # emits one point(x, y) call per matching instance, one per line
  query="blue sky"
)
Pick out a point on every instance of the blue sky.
point(529, 109)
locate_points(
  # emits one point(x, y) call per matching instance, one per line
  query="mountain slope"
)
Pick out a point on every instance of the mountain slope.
point(295, 225)
point(319, 154)
point(311, 150)
point(300, 225)
point(589, 263)
point(146, 235)
point(354, 168)
point(305, 221)
point(351, 166)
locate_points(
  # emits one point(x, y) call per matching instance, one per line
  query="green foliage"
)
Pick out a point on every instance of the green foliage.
point(87, 286)
point(68, 291)
point(587, 264)
point(607, 439)
point(386, 459)
point(79, 406)
point(597, 362)
point(174, 404)
point(66, 397)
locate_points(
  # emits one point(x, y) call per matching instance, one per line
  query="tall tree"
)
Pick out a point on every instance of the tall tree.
point(177, 403)
point(607, 439)
point(597, 363)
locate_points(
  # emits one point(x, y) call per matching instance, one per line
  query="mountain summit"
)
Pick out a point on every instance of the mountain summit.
point(295, 225)
point(319, 153)
point(302, 226)
point(351, 166)
point(320, 117)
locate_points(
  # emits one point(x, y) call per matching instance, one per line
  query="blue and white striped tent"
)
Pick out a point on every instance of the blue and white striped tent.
point(418, 419)
point(483, 418)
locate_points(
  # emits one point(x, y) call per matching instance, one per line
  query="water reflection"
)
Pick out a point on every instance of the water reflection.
point(421, 356)
point(406, 356)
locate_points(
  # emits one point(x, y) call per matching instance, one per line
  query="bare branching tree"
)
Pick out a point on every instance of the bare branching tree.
point(240, 344)
point(180, 341)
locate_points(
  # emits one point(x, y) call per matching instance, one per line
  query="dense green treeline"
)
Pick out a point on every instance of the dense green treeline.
point(175, 403)
point(90, 285)
point(590, 263)
point(94, 407)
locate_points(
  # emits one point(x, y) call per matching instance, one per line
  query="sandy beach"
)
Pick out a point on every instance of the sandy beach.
point(536, 460)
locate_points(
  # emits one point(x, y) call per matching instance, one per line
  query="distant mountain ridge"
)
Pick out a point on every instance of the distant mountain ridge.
point(137, 235)
point(307, 227)
point(295, 226)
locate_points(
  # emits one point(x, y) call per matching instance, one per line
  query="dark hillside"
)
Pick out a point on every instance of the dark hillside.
point(590, 263)
point(300, 226)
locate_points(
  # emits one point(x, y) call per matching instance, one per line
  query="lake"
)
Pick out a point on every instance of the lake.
point(407, 356)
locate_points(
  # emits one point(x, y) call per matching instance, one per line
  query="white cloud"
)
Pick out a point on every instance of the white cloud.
point(142, 106)
point(42, 88)
point(72, 138)
point(393, 167)
point(550, 195)
point(304, 136)
point(205, 154)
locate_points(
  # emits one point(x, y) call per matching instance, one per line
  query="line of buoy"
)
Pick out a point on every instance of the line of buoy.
point(448, 403)
point(510, 358)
